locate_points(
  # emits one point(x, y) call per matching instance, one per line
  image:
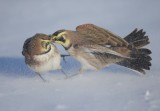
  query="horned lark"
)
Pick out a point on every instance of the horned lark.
point(40, 54)
point(96, 48)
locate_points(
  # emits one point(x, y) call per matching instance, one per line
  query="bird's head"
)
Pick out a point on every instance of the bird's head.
point(39, 44)
point(62, 37)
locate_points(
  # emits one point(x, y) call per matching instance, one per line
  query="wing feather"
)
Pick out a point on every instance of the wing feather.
point(100, 50)
point(100, 35)
point(104, 55)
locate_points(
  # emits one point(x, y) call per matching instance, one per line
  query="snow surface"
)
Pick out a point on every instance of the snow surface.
point(112, 89)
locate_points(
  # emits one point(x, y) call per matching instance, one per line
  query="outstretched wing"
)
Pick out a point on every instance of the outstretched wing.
point(101, 36)
point(101, 50)
point(103, 54)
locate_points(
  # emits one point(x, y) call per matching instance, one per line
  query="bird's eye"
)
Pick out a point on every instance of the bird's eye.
point(62, 39)
point(44, 44)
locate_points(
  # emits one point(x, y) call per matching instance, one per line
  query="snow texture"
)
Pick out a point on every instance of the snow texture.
point(114, 88)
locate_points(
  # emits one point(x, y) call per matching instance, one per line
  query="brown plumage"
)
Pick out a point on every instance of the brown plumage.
point(40, 54)
point(96, 48)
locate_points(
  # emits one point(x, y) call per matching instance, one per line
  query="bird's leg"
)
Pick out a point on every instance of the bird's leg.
point(81, 71)
point(64, 73)
point(41, 77)
point(63, 57)
point(76, 74)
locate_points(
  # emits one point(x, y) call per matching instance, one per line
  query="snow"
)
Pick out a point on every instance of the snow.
point(114, 88)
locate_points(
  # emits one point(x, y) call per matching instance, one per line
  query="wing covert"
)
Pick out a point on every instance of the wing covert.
point(100, 35)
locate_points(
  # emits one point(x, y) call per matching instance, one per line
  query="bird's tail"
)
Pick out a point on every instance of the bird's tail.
point(140, 57)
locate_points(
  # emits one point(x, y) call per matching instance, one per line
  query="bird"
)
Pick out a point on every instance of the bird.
point(96, 48)
point(41, 55)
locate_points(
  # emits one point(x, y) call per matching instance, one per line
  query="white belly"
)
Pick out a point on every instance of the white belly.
point(84, 63)
point(48, 62)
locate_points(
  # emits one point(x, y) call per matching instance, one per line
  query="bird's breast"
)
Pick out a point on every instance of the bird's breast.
point(46, 62)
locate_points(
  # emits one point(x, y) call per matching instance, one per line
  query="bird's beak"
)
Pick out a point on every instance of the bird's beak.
point(52, 38)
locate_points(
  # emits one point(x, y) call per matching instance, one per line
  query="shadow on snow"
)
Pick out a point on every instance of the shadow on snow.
point(14, 67)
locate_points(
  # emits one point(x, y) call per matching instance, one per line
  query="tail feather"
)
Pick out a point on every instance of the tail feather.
point(141, 56)
point(137, 38)
point(140, 59)
point(136, 64)
point(144, 51)
point(140, 43)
